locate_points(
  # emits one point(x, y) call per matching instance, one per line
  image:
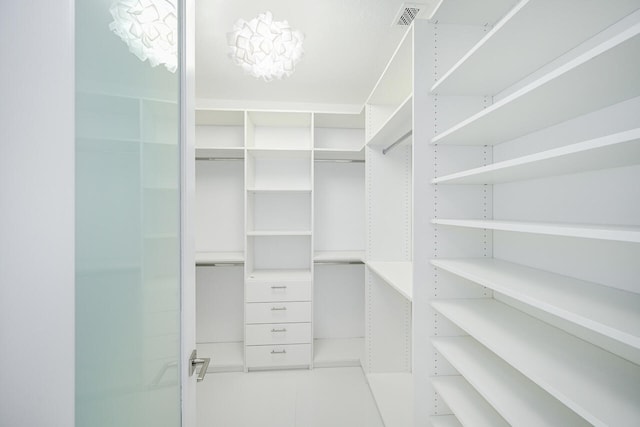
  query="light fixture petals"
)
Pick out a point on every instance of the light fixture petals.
point(265, 48)
point(149, 28)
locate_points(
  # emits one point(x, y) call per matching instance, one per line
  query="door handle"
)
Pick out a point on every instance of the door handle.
point(195, 361)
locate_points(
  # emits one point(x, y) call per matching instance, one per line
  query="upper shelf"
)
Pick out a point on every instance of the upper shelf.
point(609, 311)
point(339, 256)
point(397, 125)
point(620, 149)
point(399, 275)
point(603, 75)
point(396, 81)
point(512, 395)
point(555, 360)
point(518, 44)
point(588, 231)
point(213, 258)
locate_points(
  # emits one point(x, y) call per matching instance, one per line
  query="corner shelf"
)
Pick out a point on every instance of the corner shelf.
point(398, 275)
point(608, 311)
point(393, 393)
point(611, 151)
point(588, 231)
point(512, 395)
point(470, 408)
point(558, 95)
point(515, 45)
point(546, 355)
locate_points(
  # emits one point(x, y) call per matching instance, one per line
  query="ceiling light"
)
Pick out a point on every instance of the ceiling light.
point(149, 28)
point(265, 48)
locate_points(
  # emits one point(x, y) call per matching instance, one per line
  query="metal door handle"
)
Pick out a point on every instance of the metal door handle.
point(279, 352)
point(278, 308)
point(278, 287)
point(279, 330)
point(195, 361)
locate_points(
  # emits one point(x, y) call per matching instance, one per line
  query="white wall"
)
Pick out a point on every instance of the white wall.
point(37, 213)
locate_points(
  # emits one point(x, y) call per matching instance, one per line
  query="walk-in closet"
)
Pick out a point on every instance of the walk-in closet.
point(468, 238)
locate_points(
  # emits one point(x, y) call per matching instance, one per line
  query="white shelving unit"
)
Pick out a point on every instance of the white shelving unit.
point(339, 239)
point(532, 302)
point(390, 245)
point(467, 404)
point(603, 396)
point(558, 95)
point(609, 311)
point(514, 397)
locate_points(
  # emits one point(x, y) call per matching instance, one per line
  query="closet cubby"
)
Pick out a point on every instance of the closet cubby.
point(278, 170)
point(533, 222)
point(219, 134)
point(278, 130)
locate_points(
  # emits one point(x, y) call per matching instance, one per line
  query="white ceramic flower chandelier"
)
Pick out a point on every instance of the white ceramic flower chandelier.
point(149, 28)
point(265, 48)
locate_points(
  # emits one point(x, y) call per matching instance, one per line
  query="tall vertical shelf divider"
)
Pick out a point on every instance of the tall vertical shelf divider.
point(339, 239)
point(389, 280)
point(279, 243)
point(531, 305)
point(220, 249)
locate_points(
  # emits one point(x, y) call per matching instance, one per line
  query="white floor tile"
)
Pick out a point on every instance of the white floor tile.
point(323, 397)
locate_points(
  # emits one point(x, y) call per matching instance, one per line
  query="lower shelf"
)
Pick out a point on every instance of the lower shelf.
point(337, 352)
point(225, 356)
point(470, 408)
point(393, 393)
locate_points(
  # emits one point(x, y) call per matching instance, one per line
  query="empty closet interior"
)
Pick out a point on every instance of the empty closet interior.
point(471, 238)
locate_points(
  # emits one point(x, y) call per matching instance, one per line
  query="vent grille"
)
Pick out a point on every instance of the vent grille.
point(408, 12)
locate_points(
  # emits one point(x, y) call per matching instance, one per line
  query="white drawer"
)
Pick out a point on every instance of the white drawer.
point(278, 356)
point(278, 333)
point(278, 291)
point(277, 312)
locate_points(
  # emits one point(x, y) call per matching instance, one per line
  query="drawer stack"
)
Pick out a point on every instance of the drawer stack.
point(278, 316)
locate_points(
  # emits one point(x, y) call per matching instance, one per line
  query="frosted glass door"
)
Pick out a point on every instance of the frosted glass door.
point(127, 226)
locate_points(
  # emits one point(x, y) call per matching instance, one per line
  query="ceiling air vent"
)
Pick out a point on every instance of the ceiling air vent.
point(407, 13)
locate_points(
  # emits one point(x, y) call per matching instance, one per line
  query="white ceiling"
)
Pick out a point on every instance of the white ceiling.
point(347, 45)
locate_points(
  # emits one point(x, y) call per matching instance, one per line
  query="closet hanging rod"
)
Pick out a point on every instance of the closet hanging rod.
point(340, 160)
point(219, 158)
point(398, 141)
point(219, 264)
point(338, 262)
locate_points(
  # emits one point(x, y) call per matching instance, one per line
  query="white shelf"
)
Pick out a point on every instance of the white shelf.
point(210, 258)
point(225, 357)
point(617, 150)
point(338, 154)
point(468, 406)
point(399, 275)
point(609, 311)
point(444, 421)
point(398, 124)
point(396, 80)
point(602, 76)
point(279, 152)
point(512, 395)
point(280, 275)
point(219, 153)
point(597, 385)
point(587, 231)
point(339, 256)
point(516, 45)
point(337, 352)
point(279, 233)
point(393, 393)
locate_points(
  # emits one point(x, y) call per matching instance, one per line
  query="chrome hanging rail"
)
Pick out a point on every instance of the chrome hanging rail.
point(398, 141)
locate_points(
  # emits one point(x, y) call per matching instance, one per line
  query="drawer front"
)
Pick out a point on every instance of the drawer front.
point(278, 291)
point(278, 333)
point(278, 312)
point(278, 356)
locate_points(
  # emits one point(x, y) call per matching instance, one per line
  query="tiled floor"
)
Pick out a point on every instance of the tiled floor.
point(323, 397)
